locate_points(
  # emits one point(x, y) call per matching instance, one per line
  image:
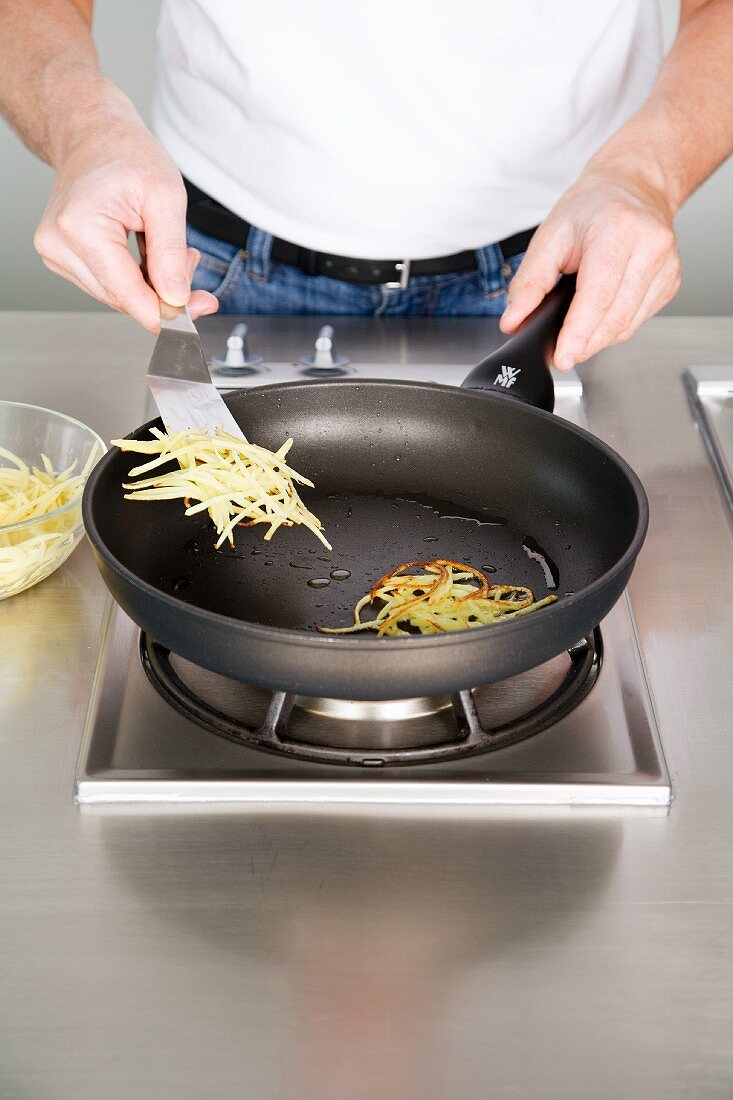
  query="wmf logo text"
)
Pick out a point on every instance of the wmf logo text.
point(507, 376)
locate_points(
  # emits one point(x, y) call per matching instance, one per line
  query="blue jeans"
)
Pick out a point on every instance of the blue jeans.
point(248, 281)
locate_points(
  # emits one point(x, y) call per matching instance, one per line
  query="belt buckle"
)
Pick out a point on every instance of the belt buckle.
point(404, 269)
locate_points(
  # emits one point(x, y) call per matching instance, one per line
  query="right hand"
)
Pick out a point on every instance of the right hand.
point(110, 182)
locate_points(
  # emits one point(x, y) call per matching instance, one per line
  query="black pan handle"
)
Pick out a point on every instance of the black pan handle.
point(520, 368)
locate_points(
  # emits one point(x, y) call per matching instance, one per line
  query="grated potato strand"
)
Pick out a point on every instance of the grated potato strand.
point(446, 596)
point(238, 483)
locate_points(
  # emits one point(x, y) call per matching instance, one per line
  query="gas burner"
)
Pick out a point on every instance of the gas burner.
point(391, 733)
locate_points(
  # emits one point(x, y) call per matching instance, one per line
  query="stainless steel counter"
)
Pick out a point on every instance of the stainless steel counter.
point(420, 955)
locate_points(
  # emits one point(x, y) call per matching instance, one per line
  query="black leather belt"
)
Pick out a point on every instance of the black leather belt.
point(210, 217)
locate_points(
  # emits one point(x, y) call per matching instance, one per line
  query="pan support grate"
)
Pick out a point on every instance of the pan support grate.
point(276, 733)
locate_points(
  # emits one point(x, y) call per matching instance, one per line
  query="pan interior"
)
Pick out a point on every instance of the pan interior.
point(402, 473)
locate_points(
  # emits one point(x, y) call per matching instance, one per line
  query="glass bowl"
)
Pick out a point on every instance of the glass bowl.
point(32, 549)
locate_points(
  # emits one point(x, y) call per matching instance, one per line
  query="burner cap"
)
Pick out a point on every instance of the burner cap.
point(371, 710)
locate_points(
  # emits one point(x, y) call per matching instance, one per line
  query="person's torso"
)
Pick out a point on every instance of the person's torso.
point(407, 128)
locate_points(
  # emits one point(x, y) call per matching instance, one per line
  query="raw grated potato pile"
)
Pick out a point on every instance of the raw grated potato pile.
point(28, 554)
point(236, 482)
point(443, 597)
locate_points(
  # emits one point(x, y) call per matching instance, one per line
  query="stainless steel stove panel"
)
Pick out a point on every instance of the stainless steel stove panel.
point(446, 374)
point(279, 351)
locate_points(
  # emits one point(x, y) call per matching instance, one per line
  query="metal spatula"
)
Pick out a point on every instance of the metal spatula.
point(178, 376)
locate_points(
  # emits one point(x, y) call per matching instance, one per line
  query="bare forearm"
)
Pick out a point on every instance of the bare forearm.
point(51, 88)
point(685, 128)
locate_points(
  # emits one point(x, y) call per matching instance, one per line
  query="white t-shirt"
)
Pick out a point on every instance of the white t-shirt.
point(396, 128)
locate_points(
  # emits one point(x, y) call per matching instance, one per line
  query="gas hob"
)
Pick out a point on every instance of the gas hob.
point(578, 731)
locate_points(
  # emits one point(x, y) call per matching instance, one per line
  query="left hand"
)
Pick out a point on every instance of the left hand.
point(615, 229)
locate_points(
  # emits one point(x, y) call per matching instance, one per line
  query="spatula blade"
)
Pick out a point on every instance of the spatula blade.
point(180, 382)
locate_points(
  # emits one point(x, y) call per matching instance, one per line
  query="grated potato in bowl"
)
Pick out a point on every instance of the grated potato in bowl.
point(45, 460)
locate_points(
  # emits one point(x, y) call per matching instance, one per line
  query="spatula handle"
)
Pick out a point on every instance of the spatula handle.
point(520, 368)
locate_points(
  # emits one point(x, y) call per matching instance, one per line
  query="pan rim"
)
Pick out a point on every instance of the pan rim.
point(370, 642)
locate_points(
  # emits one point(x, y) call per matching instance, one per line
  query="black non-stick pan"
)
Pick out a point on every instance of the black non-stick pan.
point(403, 471)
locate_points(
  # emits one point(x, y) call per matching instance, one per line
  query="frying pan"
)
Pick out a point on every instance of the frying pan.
point(404, 471)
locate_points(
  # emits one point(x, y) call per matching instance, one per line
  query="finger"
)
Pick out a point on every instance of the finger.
point(193, 261)
point(164, 216)
point(661, 291)
point(106, 254)
point(600, 273)
point(76, 272)
point(535, 277)
point(201, 303)
point(641, 272)
point(97, 258)
point(58, 253)
point(68, 265)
